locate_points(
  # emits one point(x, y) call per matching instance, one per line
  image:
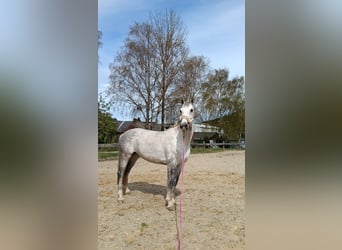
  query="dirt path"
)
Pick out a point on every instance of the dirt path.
point(213, 205)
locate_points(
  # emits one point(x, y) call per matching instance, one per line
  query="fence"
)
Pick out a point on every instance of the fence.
point(194, 144)
point(218, 144)
point(111, 145)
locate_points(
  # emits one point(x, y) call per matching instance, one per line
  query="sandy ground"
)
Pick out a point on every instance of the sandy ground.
point(213, 205)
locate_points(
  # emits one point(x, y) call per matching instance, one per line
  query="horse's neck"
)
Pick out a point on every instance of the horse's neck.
point(186, 136)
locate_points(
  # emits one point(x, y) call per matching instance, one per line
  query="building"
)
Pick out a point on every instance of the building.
point(123, 126)
point(201, 131)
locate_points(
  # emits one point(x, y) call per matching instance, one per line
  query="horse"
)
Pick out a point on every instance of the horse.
point(161, 147)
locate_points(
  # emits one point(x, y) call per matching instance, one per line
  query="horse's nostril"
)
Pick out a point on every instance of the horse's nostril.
point(183, 125)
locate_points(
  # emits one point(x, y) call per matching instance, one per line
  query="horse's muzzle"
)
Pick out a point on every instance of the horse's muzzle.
point(185, 122)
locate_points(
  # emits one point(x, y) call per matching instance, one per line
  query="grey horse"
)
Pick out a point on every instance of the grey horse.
point(162, 147)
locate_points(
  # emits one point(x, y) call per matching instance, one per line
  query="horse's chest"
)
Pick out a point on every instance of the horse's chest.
point(186, 155)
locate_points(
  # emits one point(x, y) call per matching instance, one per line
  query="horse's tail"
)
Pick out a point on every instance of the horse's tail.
point(121, 130)
point(128, 167)
point(131, 163)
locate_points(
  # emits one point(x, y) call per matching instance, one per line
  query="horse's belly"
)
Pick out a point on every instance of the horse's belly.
point(187, 155)
point(154, 160)
point(153, 154)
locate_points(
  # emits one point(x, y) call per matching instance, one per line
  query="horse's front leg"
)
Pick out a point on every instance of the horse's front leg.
point(173, 172)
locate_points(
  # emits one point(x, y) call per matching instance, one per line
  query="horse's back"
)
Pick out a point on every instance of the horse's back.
point(134, 137)
point(154, 146)
point(133, 134)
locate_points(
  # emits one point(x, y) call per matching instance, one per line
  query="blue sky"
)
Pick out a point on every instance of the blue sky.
point(216, 30)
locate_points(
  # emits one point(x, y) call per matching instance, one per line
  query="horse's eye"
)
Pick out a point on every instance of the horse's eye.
point(191, 110)
point(180, 111)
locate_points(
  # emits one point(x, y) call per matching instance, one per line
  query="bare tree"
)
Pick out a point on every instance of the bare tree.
point(99, 37)
point(99, 43)
point(171, 51)
point(214, 92)
point(144, 72)
point(133, 74)
point(188, 85)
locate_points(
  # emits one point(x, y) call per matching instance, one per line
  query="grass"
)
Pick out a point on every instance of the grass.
point(202, 150)
point(108, 155)
point(143, 227)
point(114, 155)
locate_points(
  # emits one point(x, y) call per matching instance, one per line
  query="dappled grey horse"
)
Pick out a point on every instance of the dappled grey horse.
point(162, 147)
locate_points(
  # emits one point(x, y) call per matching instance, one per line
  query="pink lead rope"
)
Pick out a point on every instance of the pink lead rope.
point(180, 199)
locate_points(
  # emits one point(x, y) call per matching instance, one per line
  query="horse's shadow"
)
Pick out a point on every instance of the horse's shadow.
point(149, 188)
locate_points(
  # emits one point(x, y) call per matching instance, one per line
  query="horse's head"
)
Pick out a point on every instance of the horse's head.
point(186, 115)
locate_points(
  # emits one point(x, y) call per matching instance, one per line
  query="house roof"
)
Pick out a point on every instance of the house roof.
point(123, 126)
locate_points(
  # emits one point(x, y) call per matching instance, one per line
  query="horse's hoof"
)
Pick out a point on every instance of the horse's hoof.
point(127, 191)
point(171, 207)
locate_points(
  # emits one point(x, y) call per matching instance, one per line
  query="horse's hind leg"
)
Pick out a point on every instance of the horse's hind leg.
point(173, 173)
point(128, 168)
point(126, 162)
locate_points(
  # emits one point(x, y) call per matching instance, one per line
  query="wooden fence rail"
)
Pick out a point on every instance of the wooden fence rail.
point(111, 145)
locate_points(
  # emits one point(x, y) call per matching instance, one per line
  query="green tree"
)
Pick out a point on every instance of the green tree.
point(223, 103)
point(106, 124)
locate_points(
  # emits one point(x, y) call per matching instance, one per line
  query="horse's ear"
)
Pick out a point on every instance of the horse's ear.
point(182, 101)
point(192, 100)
